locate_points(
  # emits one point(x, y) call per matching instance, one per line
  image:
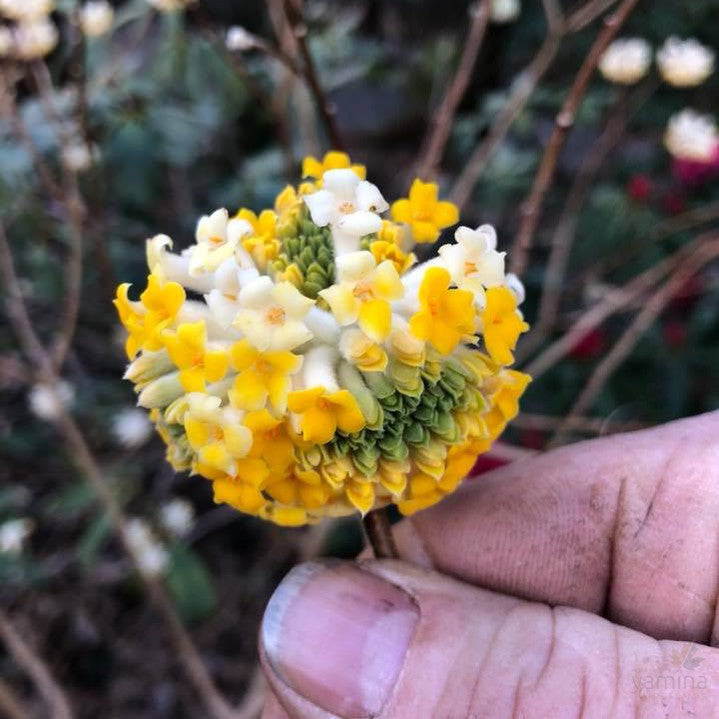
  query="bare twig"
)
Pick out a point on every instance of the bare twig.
point(706, 252)
point(36, 668)
point(326, 109)
point(216, 705)
point(10, 703)
point(522, 89)
point(553, 279)
point(441, 124)
point(563, 123)
point(587, 13)
point(76, 213)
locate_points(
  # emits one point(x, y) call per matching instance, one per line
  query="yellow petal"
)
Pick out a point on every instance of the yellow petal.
point(319, 425)
point(216, 365)
point(301, 400)
point(249, 391)
point(349, 416)
point(375, 319)
point(243, 355)
point(445, 214)
point(401, 211)
point(344, 305)
point(192, 380)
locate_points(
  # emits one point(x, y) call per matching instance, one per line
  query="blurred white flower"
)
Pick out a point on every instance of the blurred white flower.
point(131, 427)
point(14, 534)
point(77, 156)
point(626, 60)
point(691, 136)
point(96, 17)
point(504, 11)
point(239, 40)
point(170, 5)
point(47, 401)
point(6, 41)
point(148, 552)
point(35, 39)
point(177, 517)
point(26, 10)
point(685, 63)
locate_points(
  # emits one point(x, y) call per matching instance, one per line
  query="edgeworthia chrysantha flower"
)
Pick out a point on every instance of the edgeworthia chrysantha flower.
point(626, 61)
point(691, 136)
point(684, 63)
point(303, 363)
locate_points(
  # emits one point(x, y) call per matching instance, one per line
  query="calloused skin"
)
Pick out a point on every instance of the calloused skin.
point(580, 583)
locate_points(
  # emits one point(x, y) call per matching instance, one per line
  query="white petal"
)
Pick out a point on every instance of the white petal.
point(490, 268)
point(226, 277)
point(342, 183)
point(288, 336)
point(355, 266)
point(490, 235)
point(454, 257)
point(237, 229)
point(257, 294)
point(252, 324)
point(322, 206)
point(213, 225)
point(292, 301)
point(223, 309)
point(323, 326)
point(370, 198)
point(360, 223)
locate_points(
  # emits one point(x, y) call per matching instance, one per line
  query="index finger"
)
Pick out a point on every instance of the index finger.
point(625, 526)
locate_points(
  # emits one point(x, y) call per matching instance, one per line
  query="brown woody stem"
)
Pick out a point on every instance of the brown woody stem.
point(379, 534)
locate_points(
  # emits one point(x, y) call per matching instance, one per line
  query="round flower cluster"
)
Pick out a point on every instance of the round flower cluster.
point(301, 361)
point(626, 60)
point(691, 136)
point(33, 34)
point(684, 63)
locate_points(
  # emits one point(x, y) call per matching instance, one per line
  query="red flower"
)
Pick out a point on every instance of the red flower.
point(589, 346)
point(639, 188)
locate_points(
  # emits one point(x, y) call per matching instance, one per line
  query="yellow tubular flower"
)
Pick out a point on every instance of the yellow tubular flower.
point(216, 433)
point(382, 250)
point(322, 413)
point(363, 292)
point(132, 320)
point(261, 375)
point(240, 493)
point(501, 324)
point(423, 212)
point(262, 242)
point(197, 364)
point(446, 316)
point(162, 302)
point(333, 160)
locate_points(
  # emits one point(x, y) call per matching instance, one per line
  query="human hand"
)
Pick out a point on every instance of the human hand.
point(581, 583)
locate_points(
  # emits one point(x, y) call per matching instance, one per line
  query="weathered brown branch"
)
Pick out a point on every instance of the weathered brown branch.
point(379, 534)
point(326, 109)
point(216, 705)
point(10, 703)
point(441, 124)
point(707, 251)
point(561, 246)
point(30, 661)
point(563, 123)
point(523, 87)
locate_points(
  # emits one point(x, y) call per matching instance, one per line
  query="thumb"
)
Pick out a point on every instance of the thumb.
point(392, 641)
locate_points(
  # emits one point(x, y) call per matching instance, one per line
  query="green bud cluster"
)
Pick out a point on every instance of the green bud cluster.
point(310, 248)
point(415, 409)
